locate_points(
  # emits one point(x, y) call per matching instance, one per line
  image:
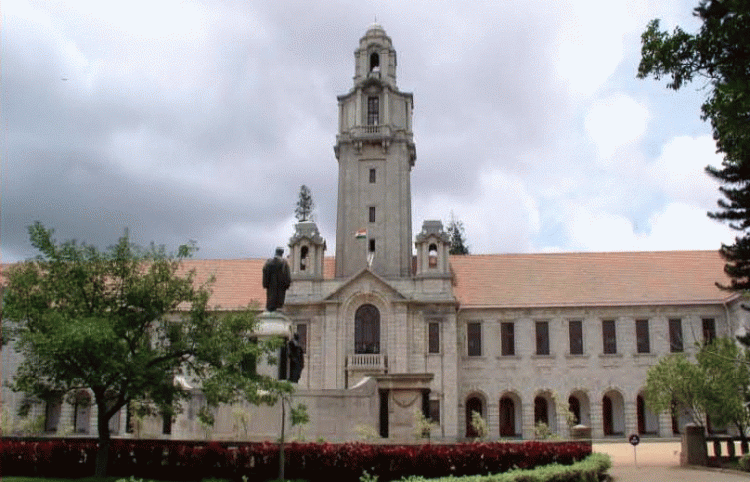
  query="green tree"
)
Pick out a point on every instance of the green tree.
point(676, 382)
point(457, 236)
point(719, 53)
point(305, 205)
point(123, 323)
point(726, 367)
point(717, 384)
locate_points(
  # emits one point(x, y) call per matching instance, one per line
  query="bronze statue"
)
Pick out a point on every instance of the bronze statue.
point(276, 280)
point(296, 358)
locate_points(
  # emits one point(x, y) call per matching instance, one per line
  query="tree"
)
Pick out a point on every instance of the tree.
point(676, 382)
point(305, 205)
point(122, 324)
point(720, 53)
point(717, 384)
point(457, 236)
point(726, 366)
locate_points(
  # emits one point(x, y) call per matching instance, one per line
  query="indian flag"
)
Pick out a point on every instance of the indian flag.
point(361, 234)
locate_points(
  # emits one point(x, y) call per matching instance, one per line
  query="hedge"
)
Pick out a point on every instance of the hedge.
point(190, 460)
point(591, 469)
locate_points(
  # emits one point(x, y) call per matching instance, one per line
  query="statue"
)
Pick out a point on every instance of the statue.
point(296, 359)
point(276, 280)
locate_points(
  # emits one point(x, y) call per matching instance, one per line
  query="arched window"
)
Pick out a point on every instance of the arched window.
point(507, 417)
point(52, 411)
point(648, 422)
point(574, 406)
point(367, 329)
point(473, 404)
point(81, 412)
point(613, 413)
point(303, 258)
point(541, 411)
point(432, 255)
point(374, 62)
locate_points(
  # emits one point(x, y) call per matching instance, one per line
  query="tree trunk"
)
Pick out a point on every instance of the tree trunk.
point(282, 462)
point(102, 454)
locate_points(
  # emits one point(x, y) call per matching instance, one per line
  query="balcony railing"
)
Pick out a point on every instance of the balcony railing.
point(371, 131)
point(369, 361)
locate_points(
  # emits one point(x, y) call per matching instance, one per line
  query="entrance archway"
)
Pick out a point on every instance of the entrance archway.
point(613, 413)
point(473, 404)
point(510, 407)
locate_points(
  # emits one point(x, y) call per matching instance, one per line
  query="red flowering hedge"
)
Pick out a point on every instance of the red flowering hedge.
point(190, 460)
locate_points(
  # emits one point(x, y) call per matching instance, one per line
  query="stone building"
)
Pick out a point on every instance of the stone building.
point(393, 324)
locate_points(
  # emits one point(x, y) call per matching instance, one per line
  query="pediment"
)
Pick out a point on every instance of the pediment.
point(365, 281)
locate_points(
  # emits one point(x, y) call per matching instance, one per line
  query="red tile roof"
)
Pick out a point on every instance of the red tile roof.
point(524, 280)
point(589, 279)
point(238, 282)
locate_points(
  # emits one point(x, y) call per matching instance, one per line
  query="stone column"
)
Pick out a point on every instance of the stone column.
point(597, 422)
point(631, 416)
point(493, 418)
point(665, 424)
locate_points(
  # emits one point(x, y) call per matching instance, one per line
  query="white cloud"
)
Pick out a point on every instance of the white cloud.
point(145, 19)
point(500, 216)
point(678, 226)
point(680, 170)
point(614, 122)
point(681, 226)
point(590, 44)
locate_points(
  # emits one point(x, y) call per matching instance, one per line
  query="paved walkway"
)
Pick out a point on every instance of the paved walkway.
point(658, 462)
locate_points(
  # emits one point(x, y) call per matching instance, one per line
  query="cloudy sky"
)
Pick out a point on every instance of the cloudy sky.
point(199, 120)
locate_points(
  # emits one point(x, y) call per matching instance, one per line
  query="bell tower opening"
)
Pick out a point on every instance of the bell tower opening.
point(374, 62)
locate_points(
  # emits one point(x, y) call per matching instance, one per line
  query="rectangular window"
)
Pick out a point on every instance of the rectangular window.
point(575, 330)
point(302, 332)
point(373, 111)
point(542, 338)
point(433, 337)
point(166, 423)
point(709, 330)
point(643, 344)
point(508, 338)
point(675, 335)
point(372, 214)
point(474, 337)
point(372, 246)
point(609, 337)
point(372, 176)
point(435, 411)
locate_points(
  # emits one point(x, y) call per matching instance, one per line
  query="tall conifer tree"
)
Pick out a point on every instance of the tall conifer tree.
point(305, 205)
point(720, 53)
point(457, 236)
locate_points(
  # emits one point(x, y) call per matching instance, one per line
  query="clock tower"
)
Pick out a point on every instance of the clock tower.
point(375, 151)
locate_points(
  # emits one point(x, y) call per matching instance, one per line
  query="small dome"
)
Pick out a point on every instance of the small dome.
point(376, 29)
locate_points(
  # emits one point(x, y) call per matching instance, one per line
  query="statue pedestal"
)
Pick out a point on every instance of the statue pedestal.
point(272, 324)
point(405, 394)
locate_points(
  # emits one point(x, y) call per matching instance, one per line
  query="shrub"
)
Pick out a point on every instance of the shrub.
point(592, 469)
point(745, 462)
point(183, 460)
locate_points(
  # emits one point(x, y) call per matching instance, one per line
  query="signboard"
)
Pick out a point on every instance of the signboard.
point(634, 440)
